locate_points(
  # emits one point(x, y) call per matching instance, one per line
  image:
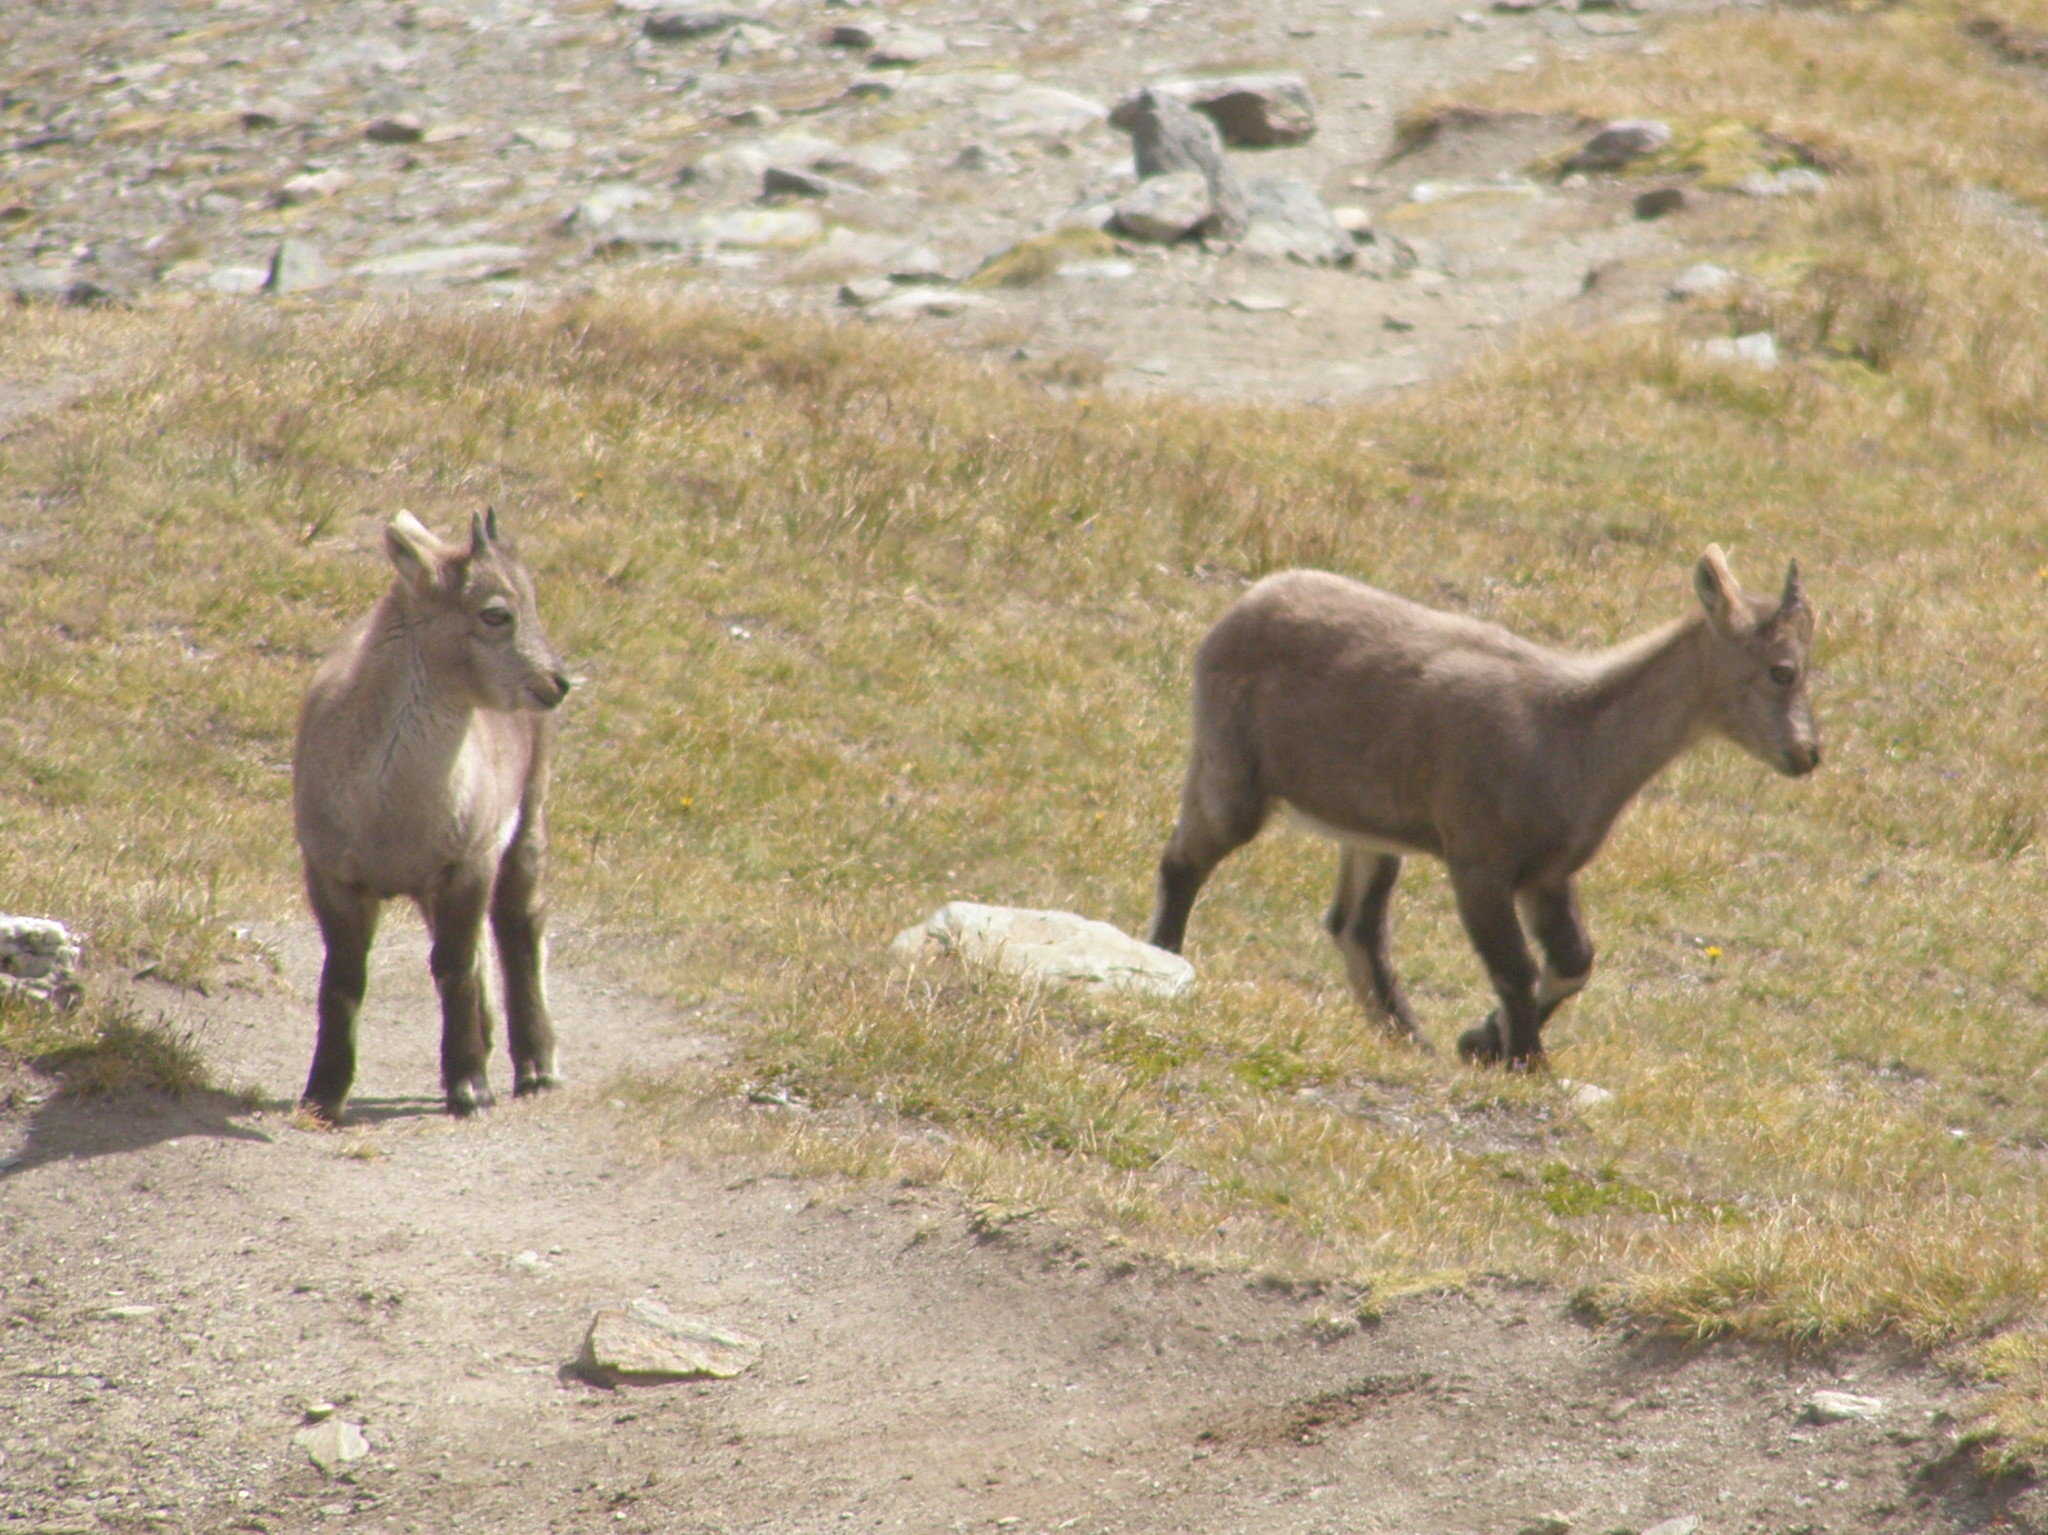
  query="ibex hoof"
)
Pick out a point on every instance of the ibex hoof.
point(1480, 1045)
point(467, 1098)
point(321, 1114)
point(531, 1083)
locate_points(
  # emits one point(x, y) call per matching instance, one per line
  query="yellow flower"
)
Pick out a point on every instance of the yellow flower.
point(1712, 951)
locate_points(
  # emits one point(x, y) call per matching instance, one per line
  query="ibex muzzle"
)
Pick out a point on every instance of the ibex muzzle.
point(421, 770)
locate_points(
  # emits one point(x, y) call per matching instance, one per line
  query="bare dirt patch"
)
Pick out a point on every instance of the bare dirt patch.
point(184, 1279)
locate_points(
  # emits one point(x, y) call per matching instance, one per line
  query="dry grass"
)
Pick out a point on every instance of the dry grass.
point(868, 628)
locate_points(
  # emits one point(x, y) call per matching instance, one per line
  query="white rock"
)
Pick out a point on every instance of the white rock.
point(1841, 1407)
point(644, 1342)
point(606, 202)
point(760, 228)
point(1683, 1524)
point(296, 266)
point(913, 303)
point(332, 1443)
point(1165, 208)
point(1040, 109)
point(1797, 181)
point(1584, 1095)
point(902, 46)
point(1052, 946)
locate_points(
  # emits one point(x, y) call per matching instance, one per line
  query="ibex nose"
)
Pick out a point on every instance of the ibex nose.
point(1802, 759)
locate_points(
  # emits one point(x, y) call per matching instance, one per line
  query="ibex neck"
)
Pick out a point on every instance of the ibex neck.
point(1640, 704)
point(411, 710)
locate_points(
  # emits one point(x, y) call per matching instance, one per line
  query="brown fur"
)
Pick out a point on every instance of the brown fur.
point(1397, 729)
point(421, 770)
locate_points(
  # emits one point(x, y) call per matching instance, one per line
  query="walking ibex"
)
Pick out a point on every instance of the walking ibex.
point(1396, 729)
point(420, 770)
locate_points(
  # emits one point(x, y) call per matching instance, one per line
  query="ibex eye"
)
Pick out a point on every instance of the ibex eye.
point(1784, 674)
point(497, 618)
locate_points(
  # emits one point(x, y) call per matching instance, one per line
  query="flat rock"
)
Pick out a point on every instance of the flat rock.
point(604, 204)
point(1795, 181)
point(1056, 947)
point(332, 1444)
point(1841, 1407)
point(760, 228)
point(681, 25)
point(1682, 1524)
point(901, 47)
point(644, 1343)
point(445, 263)
point(918, 302)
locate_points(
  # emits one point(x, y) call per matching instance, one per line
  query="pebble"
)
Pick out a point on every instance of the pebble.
point(1841, 1407)
point(1702, 280)
point(332, 1444)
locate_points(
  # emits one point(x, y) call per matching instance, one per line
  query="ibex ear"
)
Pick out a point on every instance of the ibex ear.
point(1795, 595)
point(417, 555)
point(483, 529)
point(1720, 593)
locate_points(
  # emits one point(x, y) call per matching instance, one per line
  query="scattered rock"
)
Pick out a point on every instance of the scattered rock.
point(644, 1343)
point(1050, 946)
point(1794, 181)
point(1759, 348)
point(760, 228)
point(403, 129)
point(445, 263)
point(237, 281)
point(1039, 110)
point(869, 164)
point(748, 40)
point(1683, 1524)
point(1841, 1407)
point(1163, 209)
point(40, 958)
point(918, 302)
point(1258, 303)
point(1286, 220)
point(1169, 140)
point(604, 204)
point(128, 1313)
point(310, 186)
point(864, 291)
point(296, 266)
point(332, 1444)
point(901, 47)
point(1703, 280)
point(681, 25)
point(1620, 143)
point(540, 136)
point(789, 181)
point(1251, 111)
point(1040, 257)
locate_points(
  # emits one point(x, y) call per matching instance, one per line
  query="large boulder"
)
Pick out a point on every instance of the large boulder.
point(1287, 220)
point(1053, 947)
point(1261, 111)
point(1168, 140)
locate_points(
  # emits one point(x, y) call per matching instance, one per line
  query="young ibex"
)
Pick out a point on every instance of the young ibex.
point(421, 770)
point(1396, 729)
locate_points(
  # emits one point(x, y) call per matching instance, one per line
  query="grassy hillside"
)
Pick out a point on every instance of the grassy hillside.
point(867, 628)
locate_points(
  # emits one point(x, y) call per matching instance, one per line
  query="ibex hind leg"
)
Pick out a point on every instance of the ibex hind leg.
point(348, 922)
point(1359, 923)
point(1221, 810)
point(519, 923)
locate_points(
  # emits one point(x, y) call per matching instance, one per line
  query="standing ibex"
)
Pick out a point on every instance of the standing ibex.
point(421, 770)
point(1396, 729)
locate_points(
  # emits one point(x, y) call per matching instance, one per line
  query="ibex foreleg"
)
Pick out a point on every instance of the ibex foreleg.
point(455, 918)
point(1514, 1033)
point(348, 921)
point(519, 923)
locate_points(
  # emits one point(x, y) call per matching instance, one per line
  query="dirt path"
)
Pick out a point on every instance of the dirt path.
point(432, 1279)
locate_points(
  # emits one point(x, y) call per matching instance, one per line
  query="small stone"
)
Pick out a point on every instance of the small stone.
point(540, 136)
point(747, 41)
point(1107, 270)
point(761, 228)
point(1659, 201)
point(604, 204)
point(1258, 303)
point(402, 129)
point(332, 1444)
point(643, 1342)
point(1584, 1095)
point(1683, 1524)
point(681, 25)
point(864, 291)
point(901, 47)
point(1796, 181)
point(854, 34)
point(128, 1313)
point(787, 181)
point(1042, 110)
point(1353, 220)
point(918, 302)
point(759, 115)
point(868, 164)
point(1546, 1524)
point(528, 1262)
point(1841, 1407)
point(1396, 323)
point(1703, 280)
point(309, 186)
point(319, 1412)
point(39, 957)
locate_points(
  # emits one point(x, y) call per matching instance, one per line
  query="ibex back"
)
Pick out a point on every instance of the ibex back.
point(1396, 729)
point(421, 770)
